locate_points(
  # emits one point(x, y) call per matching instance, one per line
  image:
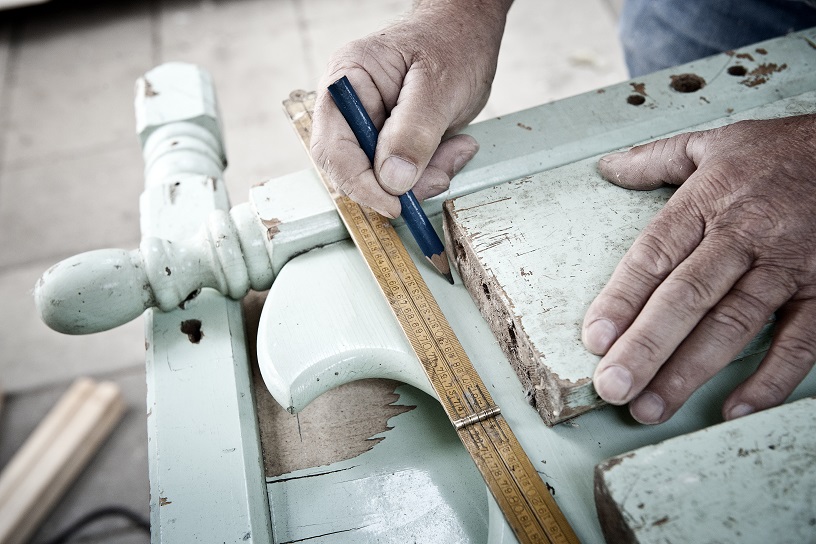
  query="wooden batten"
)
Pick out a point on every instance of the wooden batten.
point(55, 454)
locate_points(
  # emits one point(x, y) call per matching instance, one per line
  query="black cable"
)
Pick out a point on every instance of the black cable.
point(96, 515)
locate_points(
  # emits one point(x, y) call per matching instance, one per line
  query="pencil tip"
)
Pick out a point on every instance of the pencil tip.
point(440, 262)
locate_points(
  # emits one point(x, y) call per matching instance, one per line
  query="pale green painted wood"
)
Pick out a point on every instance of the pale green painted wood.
point(394, 493)
point(206, 481)
point(565, 455)
point(747, 480)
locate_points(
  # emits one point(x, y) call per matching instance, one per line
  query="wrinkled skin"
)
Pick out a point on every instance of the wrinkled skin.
point(736, 243)
point(420, 80)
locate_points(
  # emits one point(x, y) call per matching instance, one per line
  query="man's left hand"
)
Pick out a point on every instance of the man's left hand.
point(736, 243)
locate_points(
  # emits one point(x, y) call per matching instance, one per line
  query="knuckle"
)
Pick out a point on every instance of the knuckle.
point(677, 385)
point(651, 257)
point(797, 354)
point(738, 320)
point(645, 347)
point(690, 294)
point(793, 359)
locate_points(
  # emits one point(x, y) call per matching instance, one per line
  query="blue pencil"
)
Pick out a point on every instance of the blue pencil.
point(356, 116)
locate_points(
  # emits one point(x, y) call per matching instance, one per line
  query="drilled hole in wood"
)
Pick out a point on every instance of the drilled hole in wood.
point(635, 99)
point(687, 83)
point(192, 328)
point(737, 70)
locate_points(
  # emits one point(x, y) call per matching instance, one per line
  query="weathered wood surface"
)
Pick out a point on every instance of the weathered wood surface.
point(747, 480)
point(535, 252)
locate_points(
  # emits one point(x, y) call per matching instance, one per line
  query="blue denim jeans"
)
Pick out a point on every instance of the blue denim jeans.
point(657, 34)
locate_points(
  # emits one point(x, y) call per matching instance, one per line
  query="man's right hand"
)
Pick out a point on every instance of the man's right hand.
point(420, 80)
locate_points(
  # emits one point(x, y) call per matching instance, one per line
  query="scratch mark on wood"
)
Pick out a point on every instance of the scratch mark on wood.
point(324, 534)
point(279, 480)
point(483, 204)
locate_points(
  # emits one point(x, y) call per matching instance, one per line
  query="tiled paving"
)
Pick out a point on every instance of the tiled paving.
point(71, 170)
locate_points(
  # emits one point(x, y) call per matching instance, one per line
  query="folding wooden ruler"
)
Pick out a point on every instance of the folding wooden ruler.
point(526, 503)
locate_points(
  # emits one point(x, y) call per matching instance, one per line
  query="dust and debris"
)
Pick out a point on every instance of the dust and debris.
point(704, 99)
point(729, 111)
point(762, 73)
point(164, 502)
point(167, 271)
point(746, 56)
point(525, 272)
point(525, 127)
point(271, 227)
point(661, 521)
point(809, 42)
point(763, 51)
point(550, 488)
point(600, 91)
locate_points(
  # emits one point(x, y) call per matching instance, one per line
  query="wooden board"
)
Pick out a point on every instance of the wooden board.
point(750, 479)
point(533, 253)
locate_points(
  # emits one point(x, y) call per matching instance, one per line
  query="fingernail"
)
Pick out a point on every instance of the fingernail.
point(740, 410)
point(397, 174)
point(599, 336)
point(647, 408)
point(613, 384)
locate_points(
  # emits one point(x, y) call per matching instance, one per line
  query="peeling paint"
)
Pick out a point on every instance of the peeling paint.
point(149, 91)
point(272, 227)
point(762, 73)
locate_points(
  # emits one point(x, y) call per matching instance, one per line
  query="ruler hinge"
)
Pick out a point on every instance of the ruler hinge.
point(477, 417)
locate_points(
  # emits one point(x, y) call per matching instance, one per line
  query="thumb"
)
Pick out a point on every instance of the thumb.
point(410, 136)
point(671, 160)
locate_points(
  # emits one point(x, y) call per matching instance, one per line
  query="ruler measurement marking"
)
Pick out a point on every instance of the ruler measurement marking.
point(519, 491)
point(422, 322)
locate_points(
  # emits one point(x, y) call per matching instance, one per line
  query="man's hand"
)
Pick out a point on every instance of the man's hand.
point(735, 243)
point(420, 80)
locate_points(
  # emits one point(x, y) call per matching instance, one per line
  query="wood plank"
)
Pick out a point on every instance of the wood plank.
point(54, 455)
point(750, 479)
point(533, 253)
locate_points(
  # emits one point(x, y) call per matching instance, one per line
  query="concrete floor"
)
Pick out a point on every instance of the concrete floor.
point(71, 168)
